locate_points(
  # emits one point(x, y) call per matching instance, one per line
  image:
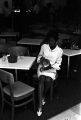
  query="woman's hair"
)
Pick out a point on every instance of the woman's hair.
point(51, 34)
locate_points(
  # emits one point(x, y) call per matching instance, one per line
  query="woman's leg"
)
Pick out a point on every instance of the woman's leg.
point(41, 90)
point(48, 81)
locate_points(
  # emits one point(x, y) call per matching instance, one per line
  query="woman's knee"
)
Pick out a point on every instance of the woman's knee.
point(41, 79)
point(49, 79)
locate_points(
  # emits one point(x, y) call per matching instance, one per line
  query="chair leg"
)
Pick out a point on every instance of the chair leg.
point(2, 104)
point(51, 91)
point(12, 115)
point(2, 107)
point(34, 101)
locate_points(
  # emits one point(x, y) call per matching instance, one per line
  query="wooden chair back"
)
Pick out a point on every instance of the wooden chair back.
point(19, 51)
point(4, 48)
point(6, 77)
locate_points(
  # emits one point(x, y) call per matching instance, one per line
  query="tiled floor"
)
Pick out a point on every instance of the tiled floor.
point(67, 115)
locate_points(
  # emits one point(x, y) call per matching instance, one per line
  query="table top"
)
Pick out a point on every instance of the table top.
point(9, 34)
point(41, 31)
point(64, 36)
point(36, 26)
point(24, 63)
point(30, 41)
point(69, 52)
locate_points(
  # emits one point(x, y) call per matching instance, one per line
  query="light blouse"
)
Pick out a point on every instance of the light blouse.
point(55, 58)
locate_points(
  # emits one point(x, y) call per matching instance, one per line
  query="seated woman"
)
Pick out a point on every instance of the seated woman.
point(51, 51)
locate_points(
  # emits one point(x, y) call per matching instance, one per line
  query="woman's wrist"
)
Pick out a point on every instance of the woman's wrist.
point(39, 57)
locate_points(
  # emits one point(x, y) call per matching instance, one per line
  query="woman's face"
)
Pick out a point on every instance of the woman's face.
point(52, 43)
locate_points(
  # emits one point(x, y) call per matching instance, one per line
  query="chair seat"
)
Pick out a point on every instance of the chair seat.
point(19, 89)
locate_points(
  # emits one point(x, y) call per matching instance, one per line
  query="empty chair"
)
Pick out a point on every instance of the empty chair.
point(15, 93)
point(4, 48)
point(19, 50)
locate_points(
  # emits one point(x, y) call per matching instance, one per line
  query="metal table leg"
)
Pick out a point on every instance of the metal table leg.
point(68, 67)
point(16, 74)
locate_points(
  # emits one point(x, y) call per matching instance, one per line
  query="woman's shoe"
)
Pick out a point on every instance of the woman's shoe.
point(39, 112)
point(43, 101)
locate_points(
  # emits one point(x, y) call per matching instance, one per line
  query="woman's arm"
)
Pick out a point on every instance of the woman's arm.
point(52, 70)
point(40, 54)
point(56, 62)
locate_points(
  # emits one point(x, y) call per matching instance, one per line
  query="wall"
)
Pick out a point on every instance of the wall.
point(57, 3)
point(2, 8)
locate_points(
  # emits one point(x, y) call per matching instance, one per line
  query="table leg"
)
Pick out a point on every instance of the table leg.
point(16, 74)
point(68, 67)
point(31, 50)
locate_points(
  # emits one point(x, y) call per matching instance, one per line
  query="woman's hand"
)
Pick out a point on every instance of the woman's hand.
point(38, 59)
point(52, 70)
point(40, 67)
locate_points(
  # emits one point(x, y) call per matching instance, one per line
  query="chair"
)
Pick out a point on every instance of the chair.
point(15, 93)
point(4, 48)
point(19, 50)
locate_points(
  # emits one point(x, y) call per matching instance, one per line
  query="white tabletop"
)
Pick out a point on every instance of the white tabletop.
point(69, 52)
point(30, 41)
point(24, 63)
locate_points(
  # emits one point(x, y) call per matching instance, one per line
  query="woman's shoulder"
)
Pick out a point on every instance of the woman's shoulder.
point(60, 49)
point(45, 45)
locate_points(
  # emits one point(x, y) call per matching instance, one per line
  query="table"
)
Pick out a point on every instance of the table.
point(30, 41)
point(69, 53)
point(41, 31)
point(9, 34)
point(36, 26)
point(63, 36)
point(23, 63)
